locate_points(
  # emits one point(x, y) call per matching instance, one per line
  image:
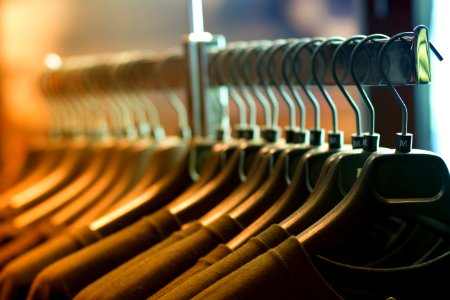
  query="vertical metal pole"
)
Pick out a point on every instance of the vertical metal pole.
point(206, 104)
point(195, 20)
point(214, 100)
point(195, 16)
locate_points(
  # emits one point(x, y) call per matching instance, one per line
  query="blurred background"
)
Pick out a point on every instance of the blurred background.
point(30, 29)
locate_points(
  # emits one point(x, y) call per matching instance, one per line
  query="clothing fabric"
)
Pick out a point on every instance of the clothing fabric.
point(22, 243)
point(428, 280)
point(64, 278)
point(211, 258)
point(211, 268)
point(16, 277)
point(152, 272)
point(283, 272)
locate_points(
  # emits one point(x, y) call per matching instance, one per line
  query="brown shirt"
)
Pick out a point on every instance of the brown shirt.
point(284, 272)
point(64, 278)
point(152, 272)
point(16, 277)
point(212, 268)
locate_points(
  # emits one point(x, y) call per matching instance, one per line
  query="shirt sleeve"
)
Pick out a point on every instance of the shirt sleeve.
point(116, 274)
point(196, 283)
point(284, 272)
point(203, 263)
point(148, 276)
point(66, 277)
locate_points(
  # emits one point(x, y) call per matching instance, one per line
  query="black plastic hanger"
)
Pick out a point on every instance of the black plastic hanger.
point(86, 188)
point(42, 157)
point(306, 170)
point(278, 181)
point(169, 151)
point(122, 172)
point(343, 167)
point(389, 183)
point(241, 67)
point(256, 170)
point(45, 153)
point(171, 187)
point(137, 156)
point(75, 162)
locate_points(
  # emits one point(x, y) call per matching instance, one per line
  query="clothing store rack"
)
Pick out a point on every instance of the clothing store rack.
point(109, 207)
point(406, 62)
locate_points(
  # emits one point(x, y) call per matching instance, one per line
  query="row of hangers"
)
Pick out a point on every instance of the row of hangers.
point(107, 161)
point(134, 121)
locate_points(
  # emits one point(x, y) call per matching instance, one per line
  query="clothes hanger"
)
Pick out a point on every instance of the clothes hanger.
point(123, 171)
point(255, 205)
point(259, 65)
point(245, 160)
point(77, 160)
point(356, 144)
point(389, 183)
point(138, 149)
point(249, 174)
point(333, 237)
point(216, 157)
point(167, 152)
point(162, 154)
point(272, 151)
point(67, 169)
point(202, 151)
point(238, 64)
point(269, 155)
point(343, 167)
point(295, 140)
point(54, 220)
point(44, 154)
point(167, 186)
point(68, 213)
point(86, 185)
point(289, 199)
point(236, 56)
point(219, 175)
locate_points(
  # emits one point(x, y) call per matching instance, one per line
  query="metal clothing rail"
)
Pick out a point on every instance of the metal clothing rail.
point(406, 62)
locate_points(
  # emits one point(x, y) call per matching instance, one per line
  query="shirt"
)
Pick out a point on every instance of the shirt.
point(284, 272)
point(212, 268)
point(152, 272)
point(211, 258)
point(16, 277)
point(428, 280)
point(22, 243)
point(64, 278)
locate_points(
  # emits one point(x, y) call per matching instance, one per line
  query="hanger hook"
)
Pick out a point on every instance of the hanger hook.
point(236, 62)
point(133, 82)
point(404, 140)
point(261, 67)
point(356, 139)
point(171, 95)
point(234, 68)
point(140, 126)
point(317, 51)
point(397, 96)
point(230, 56)
point(358, 83)
point(220, 58)
point(247, 68)
point(286, 66)
point(278, 46)
point(297, 75)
